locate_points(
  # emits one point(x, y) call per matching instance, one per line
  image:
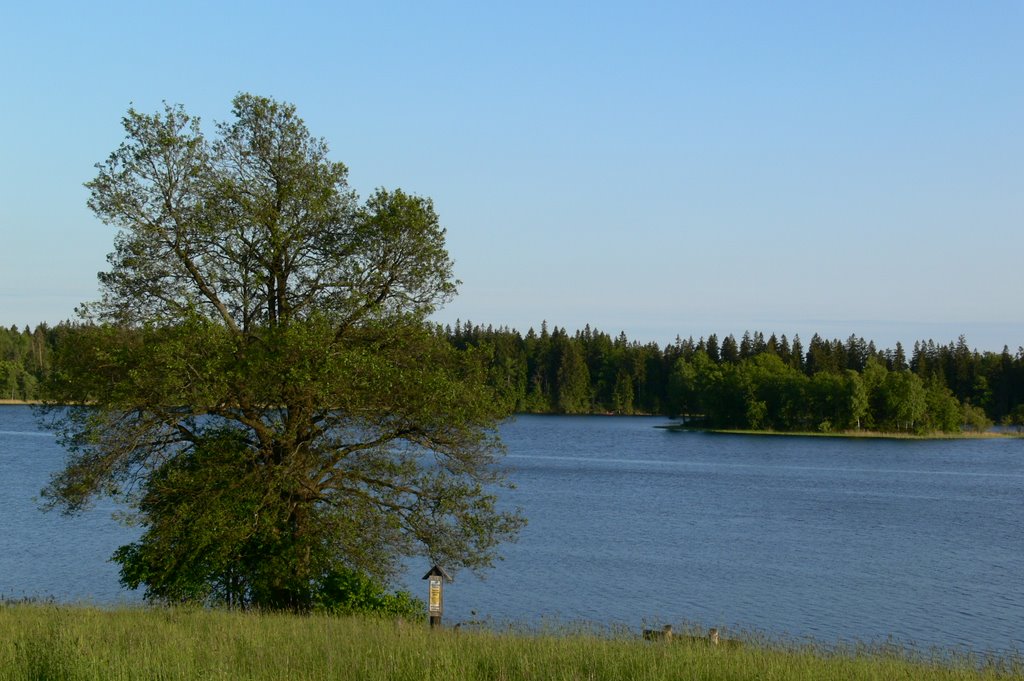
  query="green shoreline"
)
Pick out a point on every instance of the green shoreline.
point(848, 434)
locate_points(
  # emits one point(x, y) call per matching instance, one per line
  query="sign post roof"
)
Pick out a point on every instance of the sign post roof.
point(438, 571)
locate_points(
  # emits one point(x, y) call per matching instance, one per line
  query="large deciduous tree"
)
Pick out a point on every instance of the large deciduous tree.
point(259, 379)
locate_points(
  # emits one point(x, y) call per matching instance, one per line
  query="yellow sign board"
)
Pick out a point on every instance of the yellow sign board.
point(435, 595)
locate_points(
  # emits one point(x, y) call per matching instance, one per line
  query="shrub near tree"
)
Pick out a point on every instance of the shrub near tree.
point(258, 378)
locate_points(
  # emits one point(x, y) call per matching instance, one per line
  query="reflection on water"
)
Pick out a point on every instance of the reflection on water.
point(828, 538)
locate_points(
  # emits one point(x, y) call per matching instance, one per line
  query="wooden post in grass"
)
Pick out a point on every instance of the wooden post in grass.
point(436, 577)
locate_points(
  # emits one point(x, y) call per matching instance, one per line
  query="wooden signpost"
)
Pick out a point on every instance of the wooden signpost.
point(435, 593)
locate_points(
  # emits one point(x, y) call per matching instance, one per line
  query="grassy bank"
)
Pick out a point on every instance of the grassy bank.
point(55, 642)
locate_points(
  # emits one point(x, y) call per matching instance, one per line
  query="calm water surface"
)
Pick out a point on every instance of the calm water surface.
point(797, 537)
point(46, 554)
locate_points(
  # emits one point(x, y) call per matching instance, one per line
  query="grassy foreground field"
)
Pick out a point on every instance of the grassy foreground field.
point(72, 643)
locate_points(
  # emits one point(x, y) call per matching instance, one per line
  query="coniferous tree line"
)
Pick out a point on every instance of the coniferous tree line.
point(755, 381)
point(25, 359)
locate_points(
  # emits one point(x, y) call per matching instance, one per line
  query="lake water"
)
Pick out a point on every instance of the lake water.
point(838, 540)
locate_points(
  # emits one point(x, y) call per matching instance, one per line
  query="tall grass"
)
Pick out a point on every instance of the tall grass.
point(43, 642)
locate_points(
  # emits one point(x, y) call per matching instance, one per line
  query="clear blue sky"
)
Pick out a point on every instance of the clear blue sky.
point(662, 169)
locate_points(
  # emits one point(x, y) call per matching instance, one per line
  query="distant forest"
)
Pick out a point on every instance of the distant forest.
point(749, 383)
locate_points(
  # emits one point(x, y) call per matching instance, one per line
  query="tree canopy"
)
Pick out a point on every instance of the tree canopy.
point(258, 378)
point(757, 383)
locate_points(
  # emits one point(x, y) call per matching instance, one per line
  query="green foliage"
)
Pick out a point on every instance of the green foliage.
point(10, 372)
point(1015, 418)
point(523, 373)
point(974, 419)
point(347, 592)
point(904, 399)
point(571, 378)
point(942, 409)
point(210, 535)
point(759, 383)
point(622, 395)
point(24, 361)
point(259, 377)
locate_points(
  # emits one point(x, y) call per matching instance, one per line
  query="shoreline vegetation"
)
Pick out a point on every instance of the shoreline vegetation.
point(850, 434)
point(86, 642)
point(755, 383)
point(680, 427)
